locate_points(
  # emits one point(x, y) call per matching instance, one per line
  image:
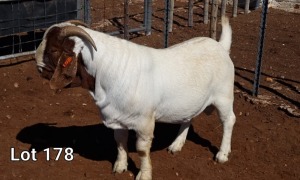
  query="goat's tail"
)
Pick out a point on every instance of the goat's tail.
point(226, 35)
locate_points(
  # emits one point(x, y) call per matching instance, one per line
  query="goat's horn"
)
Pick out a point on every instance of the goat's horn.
point(77, 23)
point(76, 31)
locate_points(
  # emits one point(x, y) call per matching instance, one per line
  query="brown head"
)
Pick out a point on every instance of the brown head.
point(56, 59)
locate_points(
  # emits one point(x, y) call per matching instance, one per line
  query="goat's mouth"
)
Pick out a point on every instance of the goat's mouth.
point(60, 80)
point(63, 75)
point(67, 80)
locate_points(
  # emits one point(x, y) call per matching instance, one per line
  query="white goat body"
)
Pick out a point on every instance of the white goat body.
point(136, 85)
point(175, 84)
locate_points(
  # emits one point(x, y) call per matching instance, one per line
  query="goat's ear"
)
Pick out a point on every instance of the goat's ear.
point(65, 71)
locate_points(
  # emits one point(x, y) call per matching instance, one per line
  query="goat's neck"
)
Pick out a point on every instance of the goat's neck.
point(116, 65)
point(120, 69)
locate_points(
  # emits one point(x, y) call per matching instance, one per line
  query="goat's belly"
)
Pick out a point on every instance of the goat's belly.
point(178, 115)
point(177, 118)
point(171, 120)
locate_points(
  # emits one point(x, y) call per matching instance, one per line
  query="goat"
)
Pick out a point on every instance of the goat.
point(135, 86)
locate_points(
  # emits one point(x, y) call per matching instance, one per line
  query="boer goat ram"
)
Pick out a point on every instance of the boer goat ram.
point(135, 86)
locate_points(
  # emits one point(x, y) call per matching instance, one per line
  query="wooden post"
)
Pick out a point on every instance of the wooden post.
point(235, 4)
point(126, 19)
point(191, 3)
point(213, 20)
point(206, 5)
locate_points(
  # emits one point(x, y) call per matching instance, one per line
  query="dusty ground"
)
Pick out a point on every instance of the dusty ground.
point(265, 142)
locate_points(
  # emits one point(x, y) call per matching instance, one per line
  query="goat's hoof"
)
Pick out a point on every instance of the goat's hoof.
point(222, 157)
point(173, 151)
point(144, 175)
point(120, 167)
point(175, 147)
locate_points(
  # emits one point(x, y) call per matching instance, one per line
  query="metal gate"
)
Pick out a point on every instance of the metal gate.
point(22, 22)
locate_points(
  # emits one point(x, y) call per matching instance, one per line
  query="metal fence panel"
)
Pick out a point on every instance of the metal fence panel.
point(22, 22)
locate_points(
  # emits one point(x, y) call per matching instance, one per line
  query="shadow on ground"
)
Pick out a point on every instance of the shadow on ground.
point(96, 142)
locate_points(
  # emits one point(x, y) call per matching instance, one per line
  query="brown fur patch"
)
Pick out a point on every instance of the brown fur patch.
point(142, 153)
point(62, 67)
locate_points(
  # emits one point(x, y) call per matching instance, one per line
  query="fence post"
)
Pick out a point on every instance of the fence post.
point(166, 31)
point(223, 8)
point(87, 13)
point(171, 12)
point(247, 4)
point(234, 11)
point(147, 16)
point(191, 3)
point(126, 19)
point(206, 5)
point(260, 46)
point(80, 14)
point(213, 20)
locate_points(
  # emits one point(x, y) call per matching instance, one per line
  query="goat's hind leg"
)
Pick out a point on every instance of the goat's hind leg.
point(121, 137)
point(227, 117)
point(176, 146)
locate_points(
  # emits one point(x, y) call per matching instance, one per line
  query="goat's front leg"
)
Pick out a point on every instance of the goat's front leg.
point(143, 145)
point(121, 137)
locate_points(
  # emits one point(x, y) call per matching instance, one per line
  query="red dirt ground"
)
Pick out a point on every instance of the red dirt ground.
point(265, 143)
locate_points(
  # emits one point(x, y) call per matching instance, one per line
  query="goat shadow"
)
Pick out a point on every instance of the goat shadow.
point(96, 142)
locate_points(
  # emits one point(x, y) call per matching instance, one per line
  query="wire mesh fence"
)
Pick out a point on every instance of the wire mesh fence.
point(22, 23)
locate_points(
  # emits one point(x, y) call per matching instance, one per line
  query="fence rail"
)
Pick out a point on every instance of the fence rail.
point(22, 23)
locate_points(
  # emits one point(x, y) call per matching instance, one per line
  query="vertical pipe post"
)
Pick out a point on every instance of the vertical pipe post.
point(206, 5)
point(214, 18)
point(235, 4)
point(148, 16)
point(87, 14)
point(223, 8)
point(79, 5)
point(166, 30)
point(126, 19)
point(191, 3)
point(260, 47)
point(247, 4)
point(171, 13)
point(145, 14)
